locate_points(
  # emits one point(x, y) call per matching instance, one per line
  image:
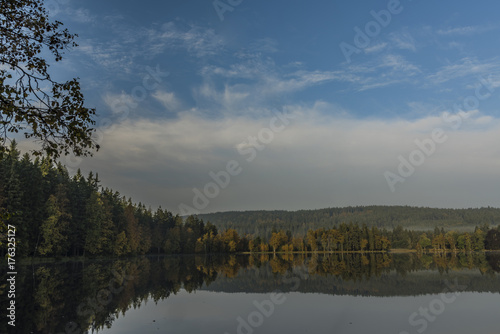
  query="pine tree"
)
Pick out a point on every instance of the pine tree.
point(79, 196)
point(13, 203)
point(132, 228)
point(98, 226)
point(53, 232)
point(34, 199)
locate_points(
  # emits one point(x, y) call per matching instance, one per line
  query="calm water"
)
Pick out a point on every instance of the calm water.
point(350, 293)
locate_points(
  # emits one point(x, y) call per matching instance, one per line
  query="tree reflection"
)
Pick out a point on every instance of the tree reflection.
point(75, 297)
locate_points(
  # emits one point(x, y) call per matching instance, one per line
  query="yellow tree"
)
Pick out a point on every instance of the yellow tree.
point(231, 240)
point(277, 240)
point(312, 240)
point(439, 242)
point(337, 238)
point(451, 240)
point(121, 246)
point(263, 247)
point(298, 243)
point(364, 244)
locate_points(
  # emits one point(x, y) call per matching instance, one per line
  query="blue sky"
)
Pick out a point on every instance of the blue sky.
point(353, 120)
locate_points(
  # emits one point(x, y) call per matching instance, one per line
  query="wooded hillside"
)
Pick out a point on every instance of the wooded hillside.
point(262, 223)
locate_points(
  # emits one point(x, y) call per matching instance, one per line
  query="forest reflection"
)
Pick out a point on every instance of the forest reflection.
point(73, 297)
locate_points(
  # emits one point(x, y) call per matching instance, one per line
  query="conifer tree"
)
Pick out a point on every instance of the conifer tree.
point(54, 230)
point(98, 226)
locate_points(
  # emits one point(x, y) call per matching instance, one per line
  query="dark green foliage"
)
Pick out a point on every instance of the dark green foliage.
point(58, 215)
point(492, 239)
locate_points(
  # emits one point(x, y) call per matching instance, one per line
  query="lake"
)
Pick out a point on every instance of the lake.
point(318, 293)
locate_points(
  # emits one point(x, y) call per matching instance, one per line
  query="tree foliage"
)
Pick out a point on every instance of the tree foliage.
point(493, 239)
point(31, 101)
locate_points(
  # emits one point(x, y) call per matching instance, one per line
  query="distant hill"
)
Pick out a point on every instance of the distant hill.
point(262, 222)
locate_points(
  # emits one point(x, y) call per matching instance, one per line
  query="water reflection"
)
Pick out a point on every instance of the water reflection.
point(74, 297)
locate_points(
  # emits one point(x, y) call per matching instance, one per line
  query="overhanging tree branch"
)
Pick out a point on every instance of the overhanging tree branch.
point(55, 116)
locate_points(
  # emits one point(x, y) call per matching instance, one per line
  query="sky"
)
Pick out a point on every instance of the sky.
point(208, 106)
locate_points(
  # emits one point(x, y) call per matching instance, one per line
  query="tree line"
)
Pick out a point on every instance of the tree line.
point(56, 214)
point(262, 222)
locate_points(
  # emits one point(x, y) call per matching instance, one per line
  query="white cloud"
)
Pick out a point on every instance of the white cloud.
point(249, 83)
point(120, 53)
point(403, 40)
point(398, 63)
point(168, 99)
point(82, 15)
point(250, 67)
point(301, 79)
point(465, 67)
point(252, 81)
point(376, 48)
point(116, 102)
point(385, 70)
point(198, 41)
point(316, 161)
point(112, 56)
point(465, 30)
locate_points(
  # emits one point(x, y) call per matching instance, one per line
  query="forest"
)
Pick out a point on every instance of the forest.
point(299, 222)
point(57, 215)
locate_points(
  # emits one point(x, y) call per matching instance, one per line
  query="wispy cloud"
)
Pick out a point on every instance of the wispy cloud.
point(403, 40)
point(383, 71)
point(196, 40)
point(265, 45)
point(376, 48)
point(109, 56)
point(267, 79)
point(167, 99)
point(465, 67)
point(300, 80)
point(128, 46)
point(399, 64)
point(254, 80)
point(81, 15)
point(466, 30)
point(245, 66)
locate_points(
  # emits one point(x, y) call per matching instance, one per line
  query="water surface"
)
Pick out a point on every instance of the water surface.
point(336, 293)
